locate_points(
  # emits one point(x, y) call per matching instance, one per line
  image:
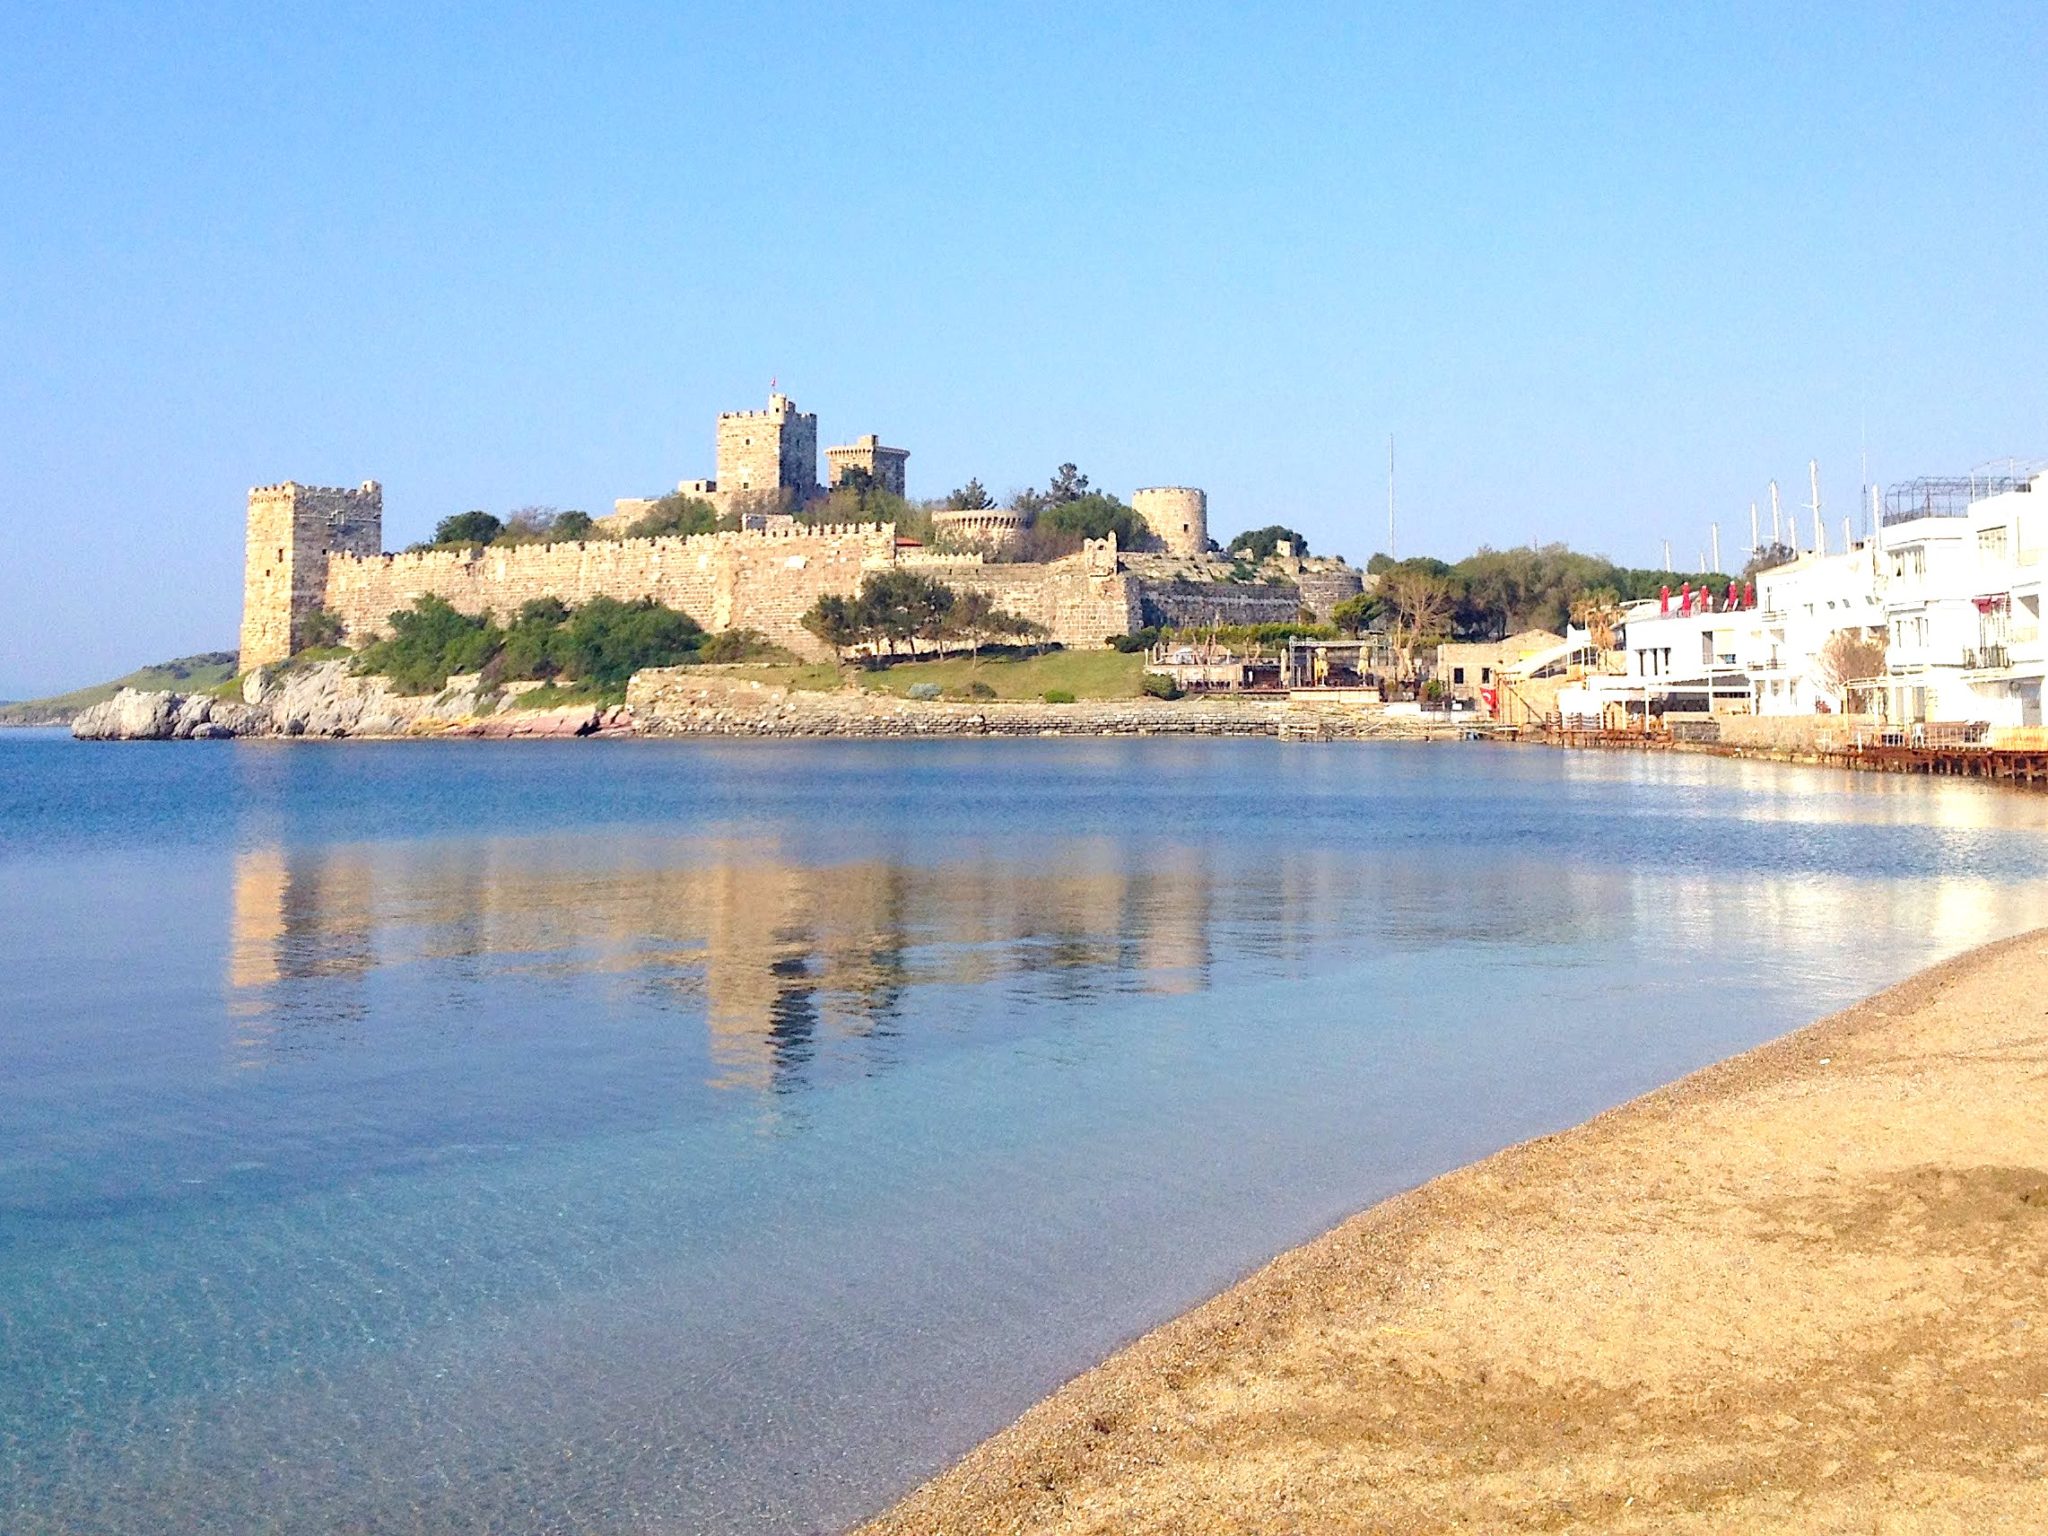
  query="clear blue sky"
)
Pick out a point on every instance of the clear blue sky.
point(1604, 271)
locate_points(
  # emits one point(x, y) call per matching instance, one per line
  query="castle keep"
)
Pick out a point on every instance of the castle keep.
point(294, 532)
point(319, 550)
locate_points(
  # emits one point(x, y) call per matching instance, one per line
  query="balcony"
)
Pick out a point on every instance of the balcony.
point(1987, 658)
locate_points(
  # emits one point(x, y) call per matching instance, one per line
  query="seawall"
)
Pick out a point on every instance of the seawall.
point(685, 701)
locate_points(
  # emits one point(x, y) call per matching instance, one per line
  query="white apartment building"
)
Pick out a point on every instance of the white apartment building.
point(1801, 606)
point(1962, 572)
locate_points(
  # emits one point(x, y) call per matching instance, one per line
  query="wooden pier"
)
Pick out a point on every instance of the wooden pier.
point(2011, 757)
point(2015, 766)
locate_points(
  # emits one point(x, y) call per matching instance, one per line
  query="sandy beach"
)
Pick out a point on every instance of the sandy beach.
point(1803, 1290)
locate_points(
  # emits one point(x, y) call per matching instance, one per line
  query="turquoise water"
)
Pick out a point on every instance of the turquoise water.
point(671, 1137)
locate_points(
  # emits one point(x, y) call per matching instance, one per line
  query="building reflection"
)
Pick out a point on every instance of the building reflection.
point(797, 966)
point(784, 959)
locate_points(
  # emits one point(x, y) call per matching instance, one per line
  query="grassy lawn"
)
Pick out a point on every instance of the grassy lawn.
point(800, 676)
point(188, 674)
point(1084, 674)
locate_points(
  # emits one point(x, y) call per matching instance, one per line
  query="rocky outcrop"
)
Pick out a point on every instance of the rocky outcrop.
point(134, 716)
point(327, 699)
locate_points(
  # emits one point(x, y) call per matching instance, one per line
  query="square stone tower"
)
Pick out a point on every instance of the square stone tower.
point(292, 530)
point(884, 466)
point(769, 454)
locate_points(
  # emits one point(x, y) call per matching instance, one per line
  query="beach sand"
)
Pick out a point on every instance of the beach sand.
point(1803, 1290)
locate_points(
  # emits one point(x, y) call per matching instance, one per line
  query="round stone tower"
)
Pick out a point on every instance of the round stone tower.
point(1179, 514)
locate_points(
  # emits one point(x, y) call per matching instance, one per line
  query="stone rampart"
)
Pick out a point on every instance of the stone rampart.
point(762, 581)
point(1079, 605)
point(1191, 604)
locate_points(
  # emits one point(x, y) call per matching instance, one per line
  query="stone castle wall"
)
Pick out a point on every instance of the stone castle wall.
point(763, 581)
point(293, 532)
point(1191, 604)
point(1322, 590)
point(1080, 607)
point(758, 581)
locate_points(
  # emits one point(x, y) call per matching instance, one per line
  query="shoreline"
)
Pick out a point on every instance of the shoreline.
point(1797, 1289)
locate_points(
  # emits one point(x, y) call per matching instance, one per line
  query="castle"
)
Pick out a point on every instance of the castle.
point(315, 559)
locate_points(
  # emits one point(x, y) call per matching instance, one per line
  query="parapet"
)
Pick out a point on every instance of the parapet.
point(369, 490)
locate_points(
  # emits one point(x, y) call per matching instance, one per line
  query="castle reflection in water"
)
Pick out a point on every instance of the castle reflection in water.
point(800, 965)
point(782, 958)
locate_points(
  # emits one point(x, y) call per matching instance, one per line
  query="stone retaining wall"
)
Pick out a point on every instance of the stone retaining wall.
point(681, 701)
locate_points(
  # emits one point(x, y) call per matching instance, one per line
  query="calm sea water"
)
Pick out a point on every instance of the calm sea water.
point(643, 1137)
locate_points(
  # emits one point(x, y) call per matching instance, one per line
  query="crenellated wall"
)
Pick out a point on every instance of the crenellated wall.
point(762, 581)
point(1191, 604)
point(292, 533)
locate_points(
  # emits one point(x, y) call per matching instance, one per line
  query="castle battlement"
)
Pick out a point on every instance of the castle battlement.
point(369, 490)
point(780, 408)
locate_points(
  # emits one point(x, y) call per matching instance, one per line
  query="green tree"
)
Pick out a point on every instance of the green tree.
point(1068, 484)
point(1257, 544)
point(1096, 516)
point(899, 606)
point(970, 497)
point(675, 516)
point(607, 641)
point(837, 621)
point(573, 525)
point(1355, 615)
point(471, 527)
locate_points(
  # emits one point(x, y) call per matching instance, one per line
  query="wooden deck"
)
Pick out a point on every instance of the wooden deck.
point(2023, 761)
point(2019, 766)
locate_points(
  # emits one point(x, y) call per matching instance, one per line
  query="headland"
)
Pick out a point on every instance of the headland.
point(1796, 1291)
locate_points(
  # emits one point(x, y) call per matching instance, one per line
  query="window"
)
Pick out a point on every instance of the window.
point(1991, 546)
point(1457, 674)
point(1486, 674)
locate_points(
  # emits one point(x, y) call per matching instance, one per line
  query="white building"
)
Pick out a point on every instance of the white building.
point(1963, 566)
point(1800, 607)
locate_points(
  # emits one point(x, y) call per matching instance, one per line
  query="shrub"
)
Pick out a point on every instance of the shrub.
point(1137, 640)
point(1161, 686)
point(925, 691)
point(428, 641)
point(599, 645)
point(979, 690)
point(738, 645)
point(321, 630)
point(1058, 695)
point(607, 641)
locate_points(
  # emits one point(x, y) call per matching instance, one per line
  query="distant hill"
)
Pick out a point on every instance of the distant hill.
point(187, 674)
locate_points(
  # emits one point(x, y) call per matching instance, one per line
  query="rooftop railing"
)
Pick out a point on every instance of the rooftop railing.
point(1951, 495)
